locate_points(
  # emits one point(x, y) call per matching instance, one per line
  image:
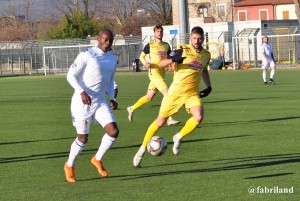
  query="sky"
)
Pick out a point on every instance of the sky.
point(38, 9)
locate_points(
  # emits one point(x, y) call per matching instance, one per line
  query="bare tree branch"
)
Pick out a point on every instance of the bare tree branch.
point(160, 11)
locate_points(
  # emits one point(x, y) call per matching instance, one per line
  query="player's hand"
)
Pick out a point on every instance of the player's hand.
point(205, 92)
point(147, 64)
point(86, 99)
point(176, 56)
point(113, 104)
point(171, 67)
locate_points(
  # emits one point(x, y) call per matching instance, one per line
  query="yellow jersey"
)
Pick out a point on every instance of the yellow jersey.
point(187, 76)
point(157, 51)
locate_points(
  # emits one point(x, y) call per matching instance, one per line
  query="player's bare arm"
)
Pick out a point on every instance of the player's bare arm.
point(147, 64)
point(206, 79)
point(165, 62)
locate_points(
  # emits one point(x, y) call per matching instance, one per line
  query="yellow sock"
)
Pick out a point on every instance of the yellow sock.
point(189, 126)
point(153, 128)
point(142, 101)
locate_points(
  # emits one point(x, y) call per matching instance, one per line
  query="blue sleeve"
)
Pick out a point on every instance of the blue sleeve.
point(146, 49)
point(169, 50)
point(175, 53)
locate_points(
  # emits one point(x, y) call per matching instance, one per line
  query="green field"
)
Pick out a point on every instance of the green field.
point(249, 139)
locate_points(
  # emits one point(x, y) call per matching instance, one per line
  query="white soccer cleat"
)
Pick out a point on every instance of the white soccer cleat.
point(171, 122)
point(130, 114)
point(138, 157)
point(176, 146)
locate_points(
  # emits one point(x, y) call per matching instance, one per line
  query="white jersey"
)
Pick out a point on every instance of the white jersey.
point(115, 85)
point(93, 72)
point(267, 49)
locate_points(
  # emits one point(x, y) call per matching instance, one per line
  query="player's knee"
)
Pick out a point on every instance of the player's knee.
point(199, 118)
point(82, 138)
point(150, 98)
point(150, 95)
point(112, 130)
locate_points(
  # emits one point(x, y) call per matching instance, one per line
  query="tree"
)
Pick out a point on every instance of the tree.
point(120, 13)
point(78, 25)
point(17, 24)
point(67, 7)
point(160, 11)
point(124, 17)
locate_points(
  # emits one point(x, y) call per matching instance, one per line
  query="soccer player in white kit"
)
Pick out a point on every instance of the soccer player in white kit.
point(267, 61)
point(92, 76)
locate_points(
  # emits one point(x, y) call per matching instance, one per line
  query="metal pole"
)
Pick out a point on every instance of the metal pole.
point(182, 19)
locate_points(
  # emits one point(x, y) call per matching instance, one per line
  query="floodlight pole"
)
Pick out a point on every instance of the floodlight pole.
point(182, 19)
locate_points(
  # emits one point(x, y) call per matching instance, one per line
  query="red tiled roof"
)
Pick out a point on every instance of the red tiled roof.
point(262, 2)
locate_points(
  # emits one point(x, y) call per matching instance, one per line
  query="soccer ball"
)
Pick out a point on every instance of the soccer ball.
point(157, 146)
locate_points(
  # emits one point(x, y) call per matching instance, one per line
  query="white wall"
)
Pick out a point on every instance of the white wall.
point(289, 7)
point(169, 34)
point(215, 34)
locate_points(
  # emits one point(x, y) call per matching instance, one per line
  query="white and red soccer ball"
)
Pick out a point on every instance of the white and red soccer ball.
point(157, 146)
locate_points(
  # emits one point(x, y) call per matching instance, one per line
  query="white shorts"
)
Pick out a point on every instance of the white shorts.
point(265, 64)
point(83, 115)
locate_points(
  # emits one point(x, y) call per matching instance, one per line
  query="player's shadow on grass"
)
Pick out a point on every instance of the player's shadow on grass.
point(235, 164)
point(269, 175)
point(171, 143)
point(250, 121)
point(237, 100)
point(34, 157)
point(155, 105)
point(30, 141)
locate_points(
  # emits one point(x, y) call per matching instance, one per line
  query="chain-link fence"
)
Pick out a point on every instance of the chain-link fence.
point(247, 50)
point(57, 59)
point(26, 57)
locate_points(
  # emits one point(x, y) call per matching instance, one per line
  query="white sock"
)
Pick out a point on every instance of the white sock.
point(76, 149)
point(141, 151)
point(105, 145)
point(177, 136)
point(272, 74)
point(264, 75)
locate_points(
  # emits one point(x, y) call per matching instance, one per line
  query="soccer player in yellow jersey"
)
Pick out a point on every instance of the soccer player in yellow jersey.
point(157, 51)
point(191, 63)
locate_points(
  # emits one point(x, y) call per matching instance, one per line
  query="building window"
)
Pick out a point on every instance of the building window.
point(242, 15)
point(286, 15)
point(202, 10)
point(221, 10)
point(263, 14)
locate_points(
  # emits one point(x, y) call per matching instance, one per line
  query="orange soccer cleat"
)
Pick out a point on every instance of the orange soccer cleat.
point(98, 164)
point(69, 172)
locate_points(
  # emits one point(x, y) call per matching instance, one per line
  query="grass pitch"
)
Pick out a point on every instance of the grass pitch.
point(248, 140)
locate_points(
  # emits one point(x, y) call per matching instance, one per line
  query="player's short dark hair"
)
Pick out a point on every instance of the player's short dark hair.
point(158, 27)
point(197, 30)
